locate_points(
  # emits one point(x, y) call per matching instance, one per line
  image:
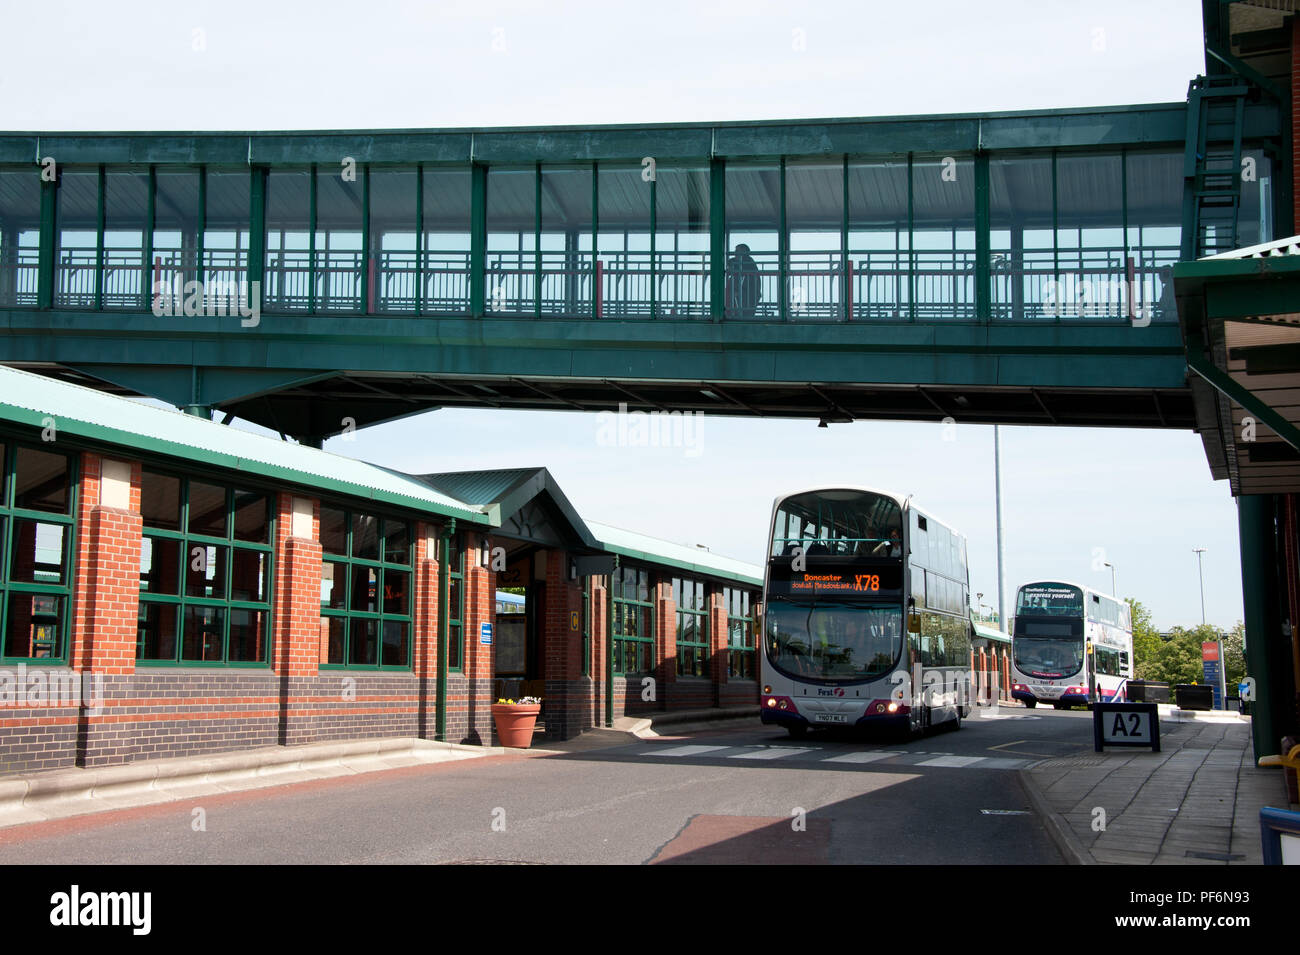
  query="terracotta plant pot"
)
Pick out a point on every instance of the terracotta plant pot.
point(515, 723)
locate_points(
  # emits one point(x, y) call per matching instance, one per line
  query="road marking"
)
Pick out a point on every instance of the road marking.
point(953, 761)
point(1004, 812)
point(998, 762)
point(859, 757)
point(695, 750)
point(773, 752)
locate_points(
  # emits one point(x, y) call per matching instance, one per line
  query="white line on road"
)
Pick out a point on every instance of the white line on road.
point(859, 757)
point(682, 750)
point(952, 761)
point(773, 752)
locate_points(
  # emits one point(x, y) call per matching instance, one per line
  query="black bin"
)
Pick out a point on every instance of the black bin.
point(1148, 691)
point(1194, 696)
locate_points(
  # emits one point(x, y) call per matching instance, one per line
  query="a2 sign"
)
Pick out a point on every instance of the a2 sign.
point(1125, 724)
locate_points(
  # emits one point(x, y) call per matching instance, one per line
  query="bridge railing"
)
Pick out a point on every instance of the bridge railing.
point(19, 271)
point(871, 285)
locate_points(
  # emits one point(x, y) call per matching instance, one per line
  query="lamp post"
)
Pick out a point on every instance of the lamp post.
point(997, 493)
point(1112, 577)
point(1200, 572)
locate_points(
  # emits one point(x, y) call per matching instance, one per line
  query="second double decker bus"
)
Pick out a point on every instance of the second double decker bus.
point(866, 617)
point(1070, 645)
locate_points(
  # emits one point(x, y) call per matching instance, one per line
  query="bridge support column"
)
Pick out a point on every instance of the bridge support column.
point(198, 411)
point(1268, 642)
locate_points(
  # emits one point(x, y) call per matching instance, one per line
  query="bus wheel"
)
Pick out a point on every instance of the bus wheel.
point(1030, 704)
point(797, 732)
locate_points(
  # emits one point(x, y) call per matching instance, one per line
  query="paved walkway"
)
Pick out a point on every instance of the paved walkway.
point(1195, 802)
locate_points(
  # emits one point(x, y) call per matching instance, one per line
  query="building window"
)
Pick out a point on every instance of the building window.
point(740, 634)
point(36, 527)
point(633, 621)
point(692, 627)
point(455, 604)
point(365, 589)
point(205, 572)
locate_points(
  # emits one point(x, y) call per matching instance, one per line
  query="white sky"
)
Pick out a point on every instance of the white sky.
point(1144, 498)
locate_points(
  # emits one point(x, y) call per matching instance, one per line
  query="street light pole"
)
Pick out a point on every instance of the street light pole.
point(1112, 577)
point(1200, 572)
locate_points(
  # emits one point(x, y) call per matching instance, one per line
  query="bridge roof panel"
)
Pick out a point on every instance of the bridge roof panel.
point(938, 135)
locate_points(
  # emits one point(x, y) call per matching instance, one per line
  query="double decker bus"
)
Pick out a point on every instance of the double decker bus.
point(866, 619)
point(1070, 645)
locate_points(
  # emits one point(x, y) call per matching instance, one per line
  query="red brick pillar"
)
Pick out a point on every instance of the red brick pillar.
point(296, 626)
point(106, 598)
point(718, 658)
point(424, 625)
point(480, 608)
point(665, 640)
point(567, 692)
point(599, 648)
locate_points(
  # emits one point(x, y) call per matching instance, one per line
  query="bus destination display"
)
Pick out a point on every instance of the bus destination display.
point(863, 580)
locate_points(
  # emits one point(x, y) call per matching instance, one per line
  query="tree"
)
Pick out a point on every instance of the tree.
point(1234, 653)
point(1146, 641)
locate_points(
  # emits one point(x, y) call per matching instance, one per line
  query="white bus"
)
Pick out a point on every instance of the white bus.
point(1070, 645)
point(866, 619)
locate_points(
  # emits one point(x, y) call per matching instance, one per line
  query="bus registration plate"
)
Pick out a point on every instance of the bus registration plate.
point(830, 718)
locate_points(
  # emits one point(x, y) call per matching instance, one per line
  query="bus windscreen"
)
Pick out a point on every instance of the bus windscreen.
point(830, 639)
point(1052, 600)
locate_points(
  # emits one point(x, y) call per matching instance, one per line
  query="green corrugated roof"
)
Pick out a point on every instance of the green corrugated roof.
point(477, 496)
point(990, 633)
point(697, 560)
point(30, 399)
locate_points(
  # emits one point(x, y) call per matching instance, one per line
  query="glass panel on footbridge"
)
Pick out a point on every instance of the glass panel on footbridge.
point(20, 232)
point(879, 253)
point(814, 218)
point(624, 278)
point(943, 239)
point(753, 209)
point(512, 262)
point(681, 256)
point(568, 264)
point(444, 278)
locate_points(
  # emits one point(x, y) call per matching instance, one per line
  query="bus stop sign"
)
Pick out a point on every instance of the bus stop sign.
point(1125, 724)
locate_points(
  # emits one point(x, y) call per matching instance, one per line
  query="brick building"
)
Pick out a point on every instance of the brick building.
point(173, 586)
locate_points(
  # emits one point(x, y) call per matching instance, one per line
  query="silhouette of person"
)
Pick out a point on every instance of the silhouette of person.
point(743, 284)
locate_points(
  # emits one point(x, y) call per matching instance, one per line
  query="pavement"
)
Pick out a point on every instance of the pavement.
point(1196, 802)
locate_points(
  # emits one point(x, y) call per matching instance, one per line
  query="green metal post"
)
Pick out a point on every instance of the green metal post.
point(478, 241)
point(845, 291)
point(419, 240)
point(101, 192)
point(45, 255)
point(1268, 659)
point(717, 238)
point(983, 245)
point(654, 264)
point(783, 254)
point(537, 240)
point(256, 234)
point(150, 216)
point(365, 240)
point(911, 240)
point(202, 225)
point(444, 568)
point(595, 236)
point(1056, 239)
point(311, 243)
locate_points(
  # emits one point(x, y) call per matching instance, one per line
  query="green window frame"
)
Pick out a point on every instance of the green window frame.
point(692, 600)
point(740, 634)
point(633, 643)
point(206, 572)
point(367, 590)
point(36, 519)
point(455, 605)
